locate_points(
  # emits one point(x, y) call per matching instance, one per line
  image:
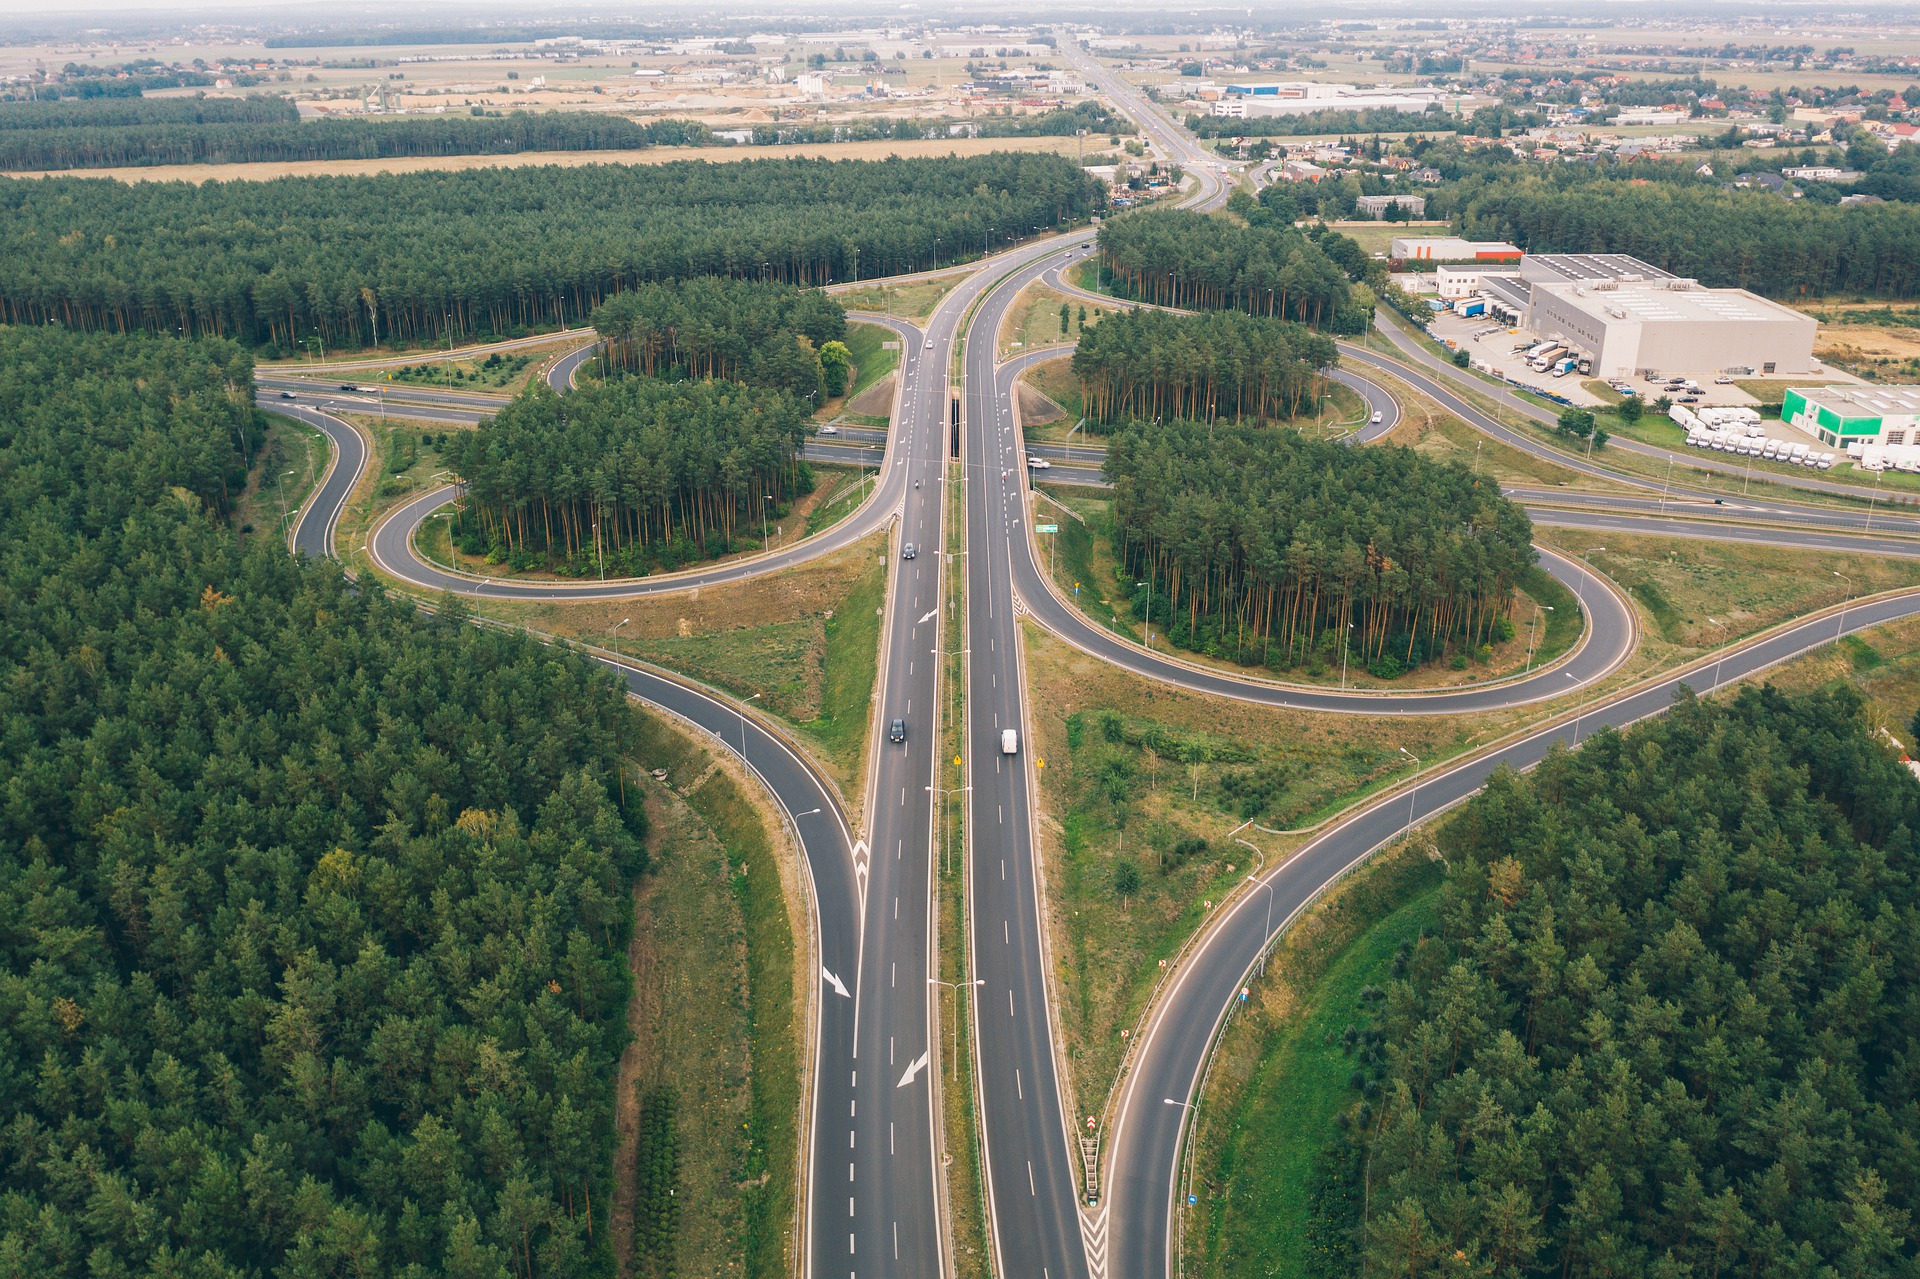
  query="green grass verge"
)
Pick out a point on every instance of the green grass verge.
point(1563, 624)
point(872, 358)
point(1281, 1076)
point(766, 1184)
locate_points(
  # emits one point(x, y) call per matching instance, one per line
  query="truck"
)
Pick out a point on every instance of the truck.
point(1544, 361)
point(1565, 365)
point(1471, 306)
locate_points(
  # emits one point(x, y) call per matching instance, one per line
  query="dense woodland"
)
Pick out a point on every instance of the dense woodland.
point(121, 113)
point(1177, 258)
point(633, 475)
point(1670, 1022)
point(493, 252)
point(313, 909)
point(742, 330)
point(131, 135)
point(1153, 364)
point(1258, 545)
point(1750, 239)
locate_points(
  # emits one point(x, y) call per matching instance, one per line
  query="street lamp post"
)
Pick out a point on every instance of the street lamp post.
point(1537, 606)
point(280, 487)
point(1346, 643)
point(1414, 795)
point(611, 643)
point(741, 711)
point(953, 1064)
point(946, 790)
point(1841, 629)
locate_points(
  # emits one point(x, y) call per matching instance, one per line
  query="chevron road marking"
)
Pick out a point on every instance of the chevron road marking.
point(1093, 1237)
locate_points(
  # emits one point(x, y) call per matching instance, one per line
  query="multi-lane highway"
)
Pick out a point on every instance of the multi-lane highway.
point(876, 1062)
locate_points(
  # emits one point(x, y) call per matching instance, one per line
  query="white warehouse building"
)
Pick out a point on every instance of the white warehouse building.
point(1631, 317)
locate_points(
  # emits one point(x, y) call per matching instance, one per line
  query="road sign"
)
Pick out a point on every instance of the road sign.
point(1046, 528)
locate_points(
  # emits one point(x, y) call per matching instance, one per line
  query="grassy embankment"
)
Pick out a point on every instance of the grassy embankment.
point(1281, 1073)
point(717, 1018)
point(285, 471)
point(913, 300)
point(1034, 320)
point(803, 644)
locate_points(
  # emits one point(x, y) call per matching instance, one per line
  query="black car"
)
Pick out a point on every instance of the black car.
point(348, 386)
point(897, 731)
point(908, 551)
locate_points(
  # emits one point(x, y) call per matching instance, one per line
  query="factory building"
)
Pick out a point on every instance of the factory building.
point(1450, 248)
point(1630, 317)
point(1855, 415)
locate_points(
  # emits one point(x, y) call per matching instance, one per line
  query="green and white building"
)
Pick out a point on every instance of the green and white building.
point(1841, 415)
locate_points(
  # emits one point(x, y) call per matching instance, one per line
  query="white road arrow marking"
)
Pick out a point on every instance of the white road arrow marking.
point(914, 1069)
point(929, 617)
point(838, 987)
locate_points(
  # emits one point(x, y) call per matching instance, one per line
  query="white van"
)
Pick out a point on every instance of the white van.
point(1009, 742)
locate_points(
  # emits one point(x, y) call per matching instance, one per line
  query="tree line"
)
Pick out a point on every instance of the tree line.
point(1332, 120)
point(741, 330)
point(1177, 258)
point(1154, 364)
point(249, 141)
point(415, 258)
point(634, 474)
point(134, 137)
point(1667, 1023)
point(313, 910)
point(122, 113)
point(1719, 236)
point(1254, 543)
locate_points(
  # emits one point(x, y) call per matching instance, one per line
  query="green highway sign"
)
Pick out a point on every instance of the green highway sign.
point(1046, 528)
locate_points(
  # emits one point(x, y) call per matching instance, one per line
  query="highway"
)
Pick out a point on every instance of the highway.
point(877, 1053)
point(1165, 1070)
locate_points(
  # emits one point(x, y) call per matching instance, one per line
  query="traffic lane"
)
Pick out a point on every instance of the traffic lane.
point(315, 522)
point(1033, 1194)
point(1148, 1132)
point(274, 401)
point(393, 391)
point(1604, 522)
point(893, 1206)
point(1727, 509)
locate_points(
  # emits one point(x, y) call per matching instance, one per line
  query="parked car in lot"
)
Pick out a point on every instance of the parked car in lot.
point(1723, 380)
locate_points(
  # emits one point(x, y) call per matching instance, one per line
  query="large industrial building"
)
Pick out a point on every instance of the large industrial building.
point(1844, 415)
point(1629, 317)
point(1451, 248)
point(1298, 97)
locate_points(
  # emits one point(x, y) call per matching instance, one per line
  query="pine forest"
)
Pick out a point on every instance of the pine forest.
point(314, 909)
point(1668, 1023)
point(429, 257)
point(1152, 364)
point(1195, 261)
point(1259, 545)
point(629, 475)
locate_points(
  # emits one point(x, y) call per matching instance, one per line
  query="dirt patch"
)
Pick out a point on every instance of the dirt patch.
point(875, 401)
point(1036, 408)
